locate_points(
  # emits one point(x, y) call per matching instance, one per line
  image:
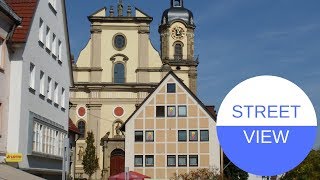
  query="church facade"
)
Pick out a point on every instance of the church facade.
point(118, 68)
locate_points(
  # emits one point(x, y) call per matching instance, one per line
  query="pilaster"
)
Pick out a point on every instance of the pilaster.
point(95, 76)
point(143, 77)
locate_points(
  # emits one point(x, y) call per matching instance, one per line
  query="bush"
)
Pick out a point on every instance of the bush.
point(199, 174)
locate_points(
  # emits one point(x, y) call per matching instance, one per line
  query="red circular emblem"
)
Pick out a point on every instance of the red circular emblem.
point(82, 112)
point(118, 111)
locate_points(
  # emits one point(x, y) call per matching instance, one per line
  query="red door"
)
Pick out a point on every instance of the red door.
point(117, 162)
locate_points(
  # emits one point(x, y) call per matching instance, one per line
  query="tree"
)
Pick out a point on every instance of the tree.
point(199, 174)
point(90, 160)
point(231, 171)
point(308, 169)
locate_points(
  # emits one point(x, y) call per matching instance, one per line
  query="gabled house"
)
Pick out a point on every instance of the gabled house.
point(171, 132)
point(40, 78)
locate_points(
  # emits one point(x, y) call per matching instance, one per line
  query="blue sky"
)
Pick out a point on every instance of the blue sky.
point(235, 40)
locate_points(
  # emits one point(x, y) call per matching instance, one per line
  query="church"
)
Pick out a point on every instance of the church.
point(141, 104)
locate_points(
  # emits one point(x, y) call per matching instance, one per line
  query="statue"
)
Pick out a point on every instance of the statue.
point(80, 153)
point(120, 8)
point(118, 129)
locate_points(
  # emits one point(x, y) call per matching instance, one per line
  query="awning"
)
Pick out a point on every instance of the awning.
point(8, 172)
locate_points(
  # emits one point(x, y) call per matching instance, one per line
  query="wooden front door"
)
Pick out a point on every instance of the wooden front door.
point(117, 162)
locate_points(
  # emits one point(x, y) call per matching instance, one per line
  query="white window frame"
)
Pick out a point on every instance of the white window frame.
point(49, 88)
point(41, 31)
point(32, 74)
point(53, 4)
point(42, 83)
point(48, 38)
point(59, 51)
point(54, 44)
point(56, 93)
point(63, 98)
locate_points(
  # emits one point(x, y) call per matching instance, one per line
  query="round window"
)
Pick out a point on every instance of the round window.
point(119, 42)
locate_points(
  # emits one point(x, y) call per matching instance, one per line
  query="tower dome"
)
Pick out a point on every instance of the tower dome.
point(177, 12)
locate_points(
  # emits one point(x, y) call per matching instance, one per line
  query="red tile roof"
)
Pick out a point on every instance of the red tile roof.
point(73, 127)
point(26, 10)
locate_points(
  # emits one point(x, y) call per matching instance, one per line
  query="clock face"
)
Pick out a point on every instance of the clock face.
point(119, 42)
point(178, 33)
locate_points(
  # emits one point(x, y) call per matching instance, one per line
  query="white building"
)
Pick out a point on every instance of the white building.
point(40, 77)
point(8, 22)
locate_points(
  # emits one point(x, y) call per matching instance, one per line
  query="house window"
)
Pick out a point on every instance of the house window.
point(41, 28)
point(193, 160)
point(37, 137)
point(42, 81)
point(149, 136)
point(138, 161)
point(82, 129)
point(182, 160)
point(32, 76)
point(56, 93)
point(171, 88)
point(182, 135)
point(59, 50)
point(49, 88)
point(48, 39)
point(178, 51)
point(204, 135)
point(138, 136)
point(53, 3)
point(171, 161)
point(160, 111)
point(63, 98)
point(171, 111)
point(54, 44)
point(193, 135)
point(149, 160)
point(182, 111)
point(119, 73)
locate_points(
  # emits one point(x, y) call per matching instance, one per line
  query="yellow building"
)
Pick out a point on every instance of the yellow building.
point(171, 132)
point(119, 68)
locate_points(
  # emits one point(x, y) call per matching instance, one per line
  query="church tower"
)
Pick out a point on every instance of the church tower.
point(177, 43)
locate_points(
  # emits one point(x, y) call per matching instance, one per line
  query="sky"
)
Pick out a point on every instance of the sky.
point(235, 40)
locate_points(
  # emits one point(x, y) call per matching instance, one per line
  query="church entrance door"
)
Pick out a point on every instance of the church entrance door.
point(117, 162)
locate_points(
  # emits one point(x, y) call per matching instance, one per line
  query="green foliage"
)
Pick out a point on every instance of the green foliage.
point(90, 161)
point(308, 169)
point(200, 174)
point(232, 171)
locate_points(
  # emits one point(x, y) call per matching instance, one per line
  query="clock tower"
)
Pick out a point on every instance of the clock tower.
point(177, 43)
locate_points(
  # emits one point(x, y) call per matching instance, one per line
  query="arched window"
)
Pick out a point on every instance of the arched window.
point(82, 128)
point(178, 51)
point(118, 75)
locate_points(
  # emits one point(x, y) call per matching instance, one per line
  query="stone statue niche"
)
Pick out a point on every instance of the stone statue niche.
point(116, 132)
